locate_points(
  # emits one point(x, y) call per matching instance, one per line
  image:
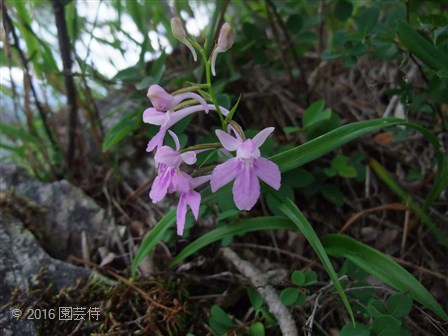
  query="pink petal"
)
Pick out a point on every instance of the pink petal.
point(181, 182)
point(188, 157)
point(224, 173)
point(156, 141)
point(261, 137)
point(175, 139)
point(180, 214)
point(227, 141)
point(197, 181)
point(160, 185)
point(168, 156)
point(193, 199)
point(246, 189)
point(268, 172)
point(153, 117)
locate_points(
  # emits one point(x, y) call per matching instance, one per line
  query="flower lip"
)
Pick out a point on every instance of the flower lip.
point(248, 150)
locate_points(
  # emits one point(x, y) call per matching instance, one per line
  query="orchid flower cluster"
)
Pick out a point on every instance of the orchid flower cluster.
point(245, 168)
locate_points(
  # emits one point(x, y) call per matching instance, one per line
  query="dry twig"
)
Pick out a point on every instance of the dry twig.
point(267, 292)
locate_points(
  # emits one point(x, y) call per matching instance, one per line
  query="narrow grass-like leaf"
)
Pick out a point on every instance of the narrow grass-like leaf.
point(18, 134)
point(421, 47)
point(382, 267)
point(295, 215)
point(233, 229)
point(406, 198)
point(151, 239)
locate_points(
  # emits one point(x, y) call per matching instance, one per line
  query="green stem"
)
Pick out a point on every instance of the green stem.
point(209, 81)
point(191, 88)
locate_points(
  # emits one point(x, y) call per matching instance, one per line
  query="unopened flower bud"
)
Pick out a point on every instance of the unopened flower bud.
point(178, 28)
point(179, 33)
point(160, 99)
point(225, 42)
point(225, 39)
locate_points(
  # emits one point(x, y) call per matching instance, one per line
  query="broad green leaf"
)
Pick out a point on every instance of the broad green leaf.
point(295, 215)
point(399, 305)
point(151, 239)
point(343, 10)
point(355, 330)
point(314, 113)
point(256, 301)
point(367, 20)
point(386, 326)
point(298, 278)
point(289, 296)
point(257, 329)
point(390, 182)
point(382, 267)
point(432, 56)
point(228, 230)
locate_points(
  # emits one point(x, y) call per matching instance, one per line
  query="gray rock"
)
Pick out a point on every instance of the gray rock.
point(21, 258)
point(60, 212)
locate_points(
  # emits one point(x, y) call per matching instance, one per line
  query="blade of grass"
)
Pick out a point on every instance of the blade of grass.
point(394, 187)
point(151, 240)
point(291, 211)
point(382, 267)
point(233, 229)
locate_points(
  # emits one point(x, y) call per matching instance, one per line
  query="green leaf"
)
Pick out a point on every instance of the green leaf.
point(220, 322)
point(313, 149)
point(228, 230)
point(256, 301)
point(386, 326)
point(343, 10)
point(399, 305)
point(298, 278)
point(382, 267)
point(432, 56)
point(355, 330)
point(294, 24)
point(329, 55)
point(295, 215)
point(289, 296)
point(120, 130)
point(151, 239)
point(315, 113)
point(393, 186)
point(18, 134)
point(367, 20)
point(257, 329)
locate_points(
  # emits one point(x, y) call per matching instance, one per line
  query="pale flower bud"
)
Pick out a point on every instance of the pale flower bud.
point(225, 42)
point(160, 99)
point(179, 33)
point(225, 39)
point(178, 28)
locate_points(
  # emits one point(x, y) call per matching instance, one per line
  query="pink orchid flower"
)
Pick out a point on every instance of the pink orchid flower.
point(167, 119)
point(171, 179)
point(168, 160)
point(246, 168)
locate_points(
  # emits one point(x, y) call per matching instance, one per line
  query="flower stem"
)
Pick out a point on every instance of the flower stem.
point(209, 81)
